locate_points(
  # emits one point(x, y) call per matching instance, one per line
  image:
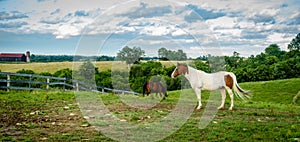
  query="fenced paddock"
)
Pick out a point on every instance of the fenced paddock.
point(56, 115)
point(17, 81)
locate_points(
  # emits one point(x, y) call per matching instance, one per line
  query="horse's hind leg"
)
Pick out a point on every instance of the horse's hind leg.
point(231, 97)
point(223, 93)
point(161, 95)
point(156, 95)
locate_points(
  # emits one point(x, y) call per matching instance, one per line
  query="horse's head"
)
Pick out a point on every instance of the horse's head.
point(146, 88)
point(180, 69)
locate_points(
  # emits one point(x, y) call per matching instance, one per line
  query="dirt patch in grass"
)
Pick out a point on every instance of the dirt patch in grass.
point(49, 120)
point(25, 117)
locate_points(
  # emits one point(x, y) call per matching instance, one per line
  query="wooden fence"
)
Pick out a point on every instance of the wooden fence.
point(16, 81)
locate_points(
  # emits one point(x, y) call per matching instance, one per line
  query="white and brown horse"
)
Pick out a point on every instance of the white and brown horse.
point(200, 80)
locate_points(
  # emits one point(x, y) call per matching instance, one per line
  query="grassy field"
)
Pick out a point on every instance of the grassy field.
point(52, 67)
point(55, 116)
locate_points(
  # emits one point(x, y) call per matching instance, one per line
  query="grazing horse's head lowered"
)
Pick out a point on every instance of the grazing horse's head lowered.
point(180, 69)
point(154, 87)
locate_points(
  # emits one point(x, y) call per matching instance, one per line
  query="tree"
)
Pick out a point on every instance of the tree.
point(130, 55)
point(163, 53)
point(274, 50)
point(63, 73)
point(201, 65)
point(181, 55)
point(295, 43)
point(104, 79)
point(86, 73)
point(233, 62)
point(105, 58)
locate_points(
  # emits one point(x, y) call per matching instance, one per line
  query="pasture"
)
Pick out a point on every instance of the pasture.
point(55, 116)
point(52, 67)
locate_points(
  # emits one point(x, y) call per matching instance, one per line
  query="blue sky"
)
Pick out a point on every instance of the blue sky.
point(97, 27)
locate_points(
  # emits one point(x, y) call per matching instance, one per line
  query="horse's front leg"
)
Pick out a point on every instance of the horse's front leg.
point(198, 94)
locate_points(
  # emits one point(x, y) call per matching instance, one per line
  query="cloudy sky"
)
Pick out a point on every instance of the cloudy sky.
point(98, 27)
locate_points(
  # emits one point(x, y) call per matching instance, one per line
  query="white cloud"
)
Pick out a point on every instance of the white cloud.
point(196, 48)
point(67, 30)
point(246, 24)
point(222, 22)
point(190, 40)
point(229, 32)
point(156, 30)
point(178, 32)
point(280, 38)
point(125, 29)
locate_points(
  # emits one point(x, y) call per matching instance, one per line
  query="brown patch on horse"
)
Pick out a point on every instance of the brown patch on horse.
point(154, 86)
point(148, 87)
point(176, 73)
point(228, 81)
point(182, 69)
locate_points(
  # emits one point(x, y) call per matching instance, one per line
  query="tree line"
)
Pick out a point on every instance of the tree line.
point(70, 58)
point(271, 64)
point(127, 54)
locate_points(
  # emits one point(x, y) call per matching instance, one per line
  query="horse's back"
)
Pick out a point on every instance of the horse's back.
point(214, 81)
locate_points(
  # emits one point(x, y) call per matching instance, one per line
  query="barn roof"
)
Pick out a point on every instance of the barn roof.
point(11, 55)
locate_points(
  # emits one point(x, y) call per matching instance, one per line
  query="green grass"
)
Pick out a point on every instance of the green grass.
point(268, 116)
point(52, 67)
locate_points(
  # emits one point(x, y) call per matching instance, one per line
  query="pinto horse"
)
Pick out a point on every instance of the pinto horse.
point(201, 80)
point(154, 87)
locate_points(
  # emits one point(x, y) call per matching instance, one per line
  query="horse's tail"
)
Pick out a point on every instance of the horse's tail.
point(238, 91)
point(164, 90)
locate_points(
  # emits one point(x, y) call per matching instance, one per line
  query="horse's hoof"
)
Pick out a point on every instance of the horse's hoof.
point(220, 108)
point(198, 108)
point(230, 108)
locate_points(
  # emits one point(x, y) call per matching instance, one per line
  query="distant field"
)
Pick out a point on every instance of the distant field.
point(52, 67)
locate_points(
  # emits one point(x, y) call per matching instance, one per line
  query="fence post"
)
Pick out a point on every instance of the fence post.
point(65, 84)
point(102, 89)
point(77, 86)
point(48, 82)
point(30, 79)
point(8, 82)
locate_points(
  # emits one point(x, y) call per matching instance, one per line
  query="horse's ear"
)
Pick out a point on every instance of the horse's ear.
point(178, 64)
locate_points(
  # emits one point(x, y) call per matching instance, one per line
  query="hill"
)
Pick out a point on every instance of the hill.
point(55, 116)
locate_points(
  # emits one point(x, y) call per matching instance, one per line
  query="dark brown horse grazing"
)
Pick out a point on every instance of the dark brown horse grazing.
point(154, 87)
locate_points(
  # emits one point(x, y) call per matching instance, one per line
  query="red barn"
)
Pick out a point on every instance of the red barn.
point(12, 57)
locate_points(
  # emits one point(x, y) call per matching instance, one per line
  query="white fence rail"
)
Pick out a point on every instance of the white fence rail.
point(18, 81)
